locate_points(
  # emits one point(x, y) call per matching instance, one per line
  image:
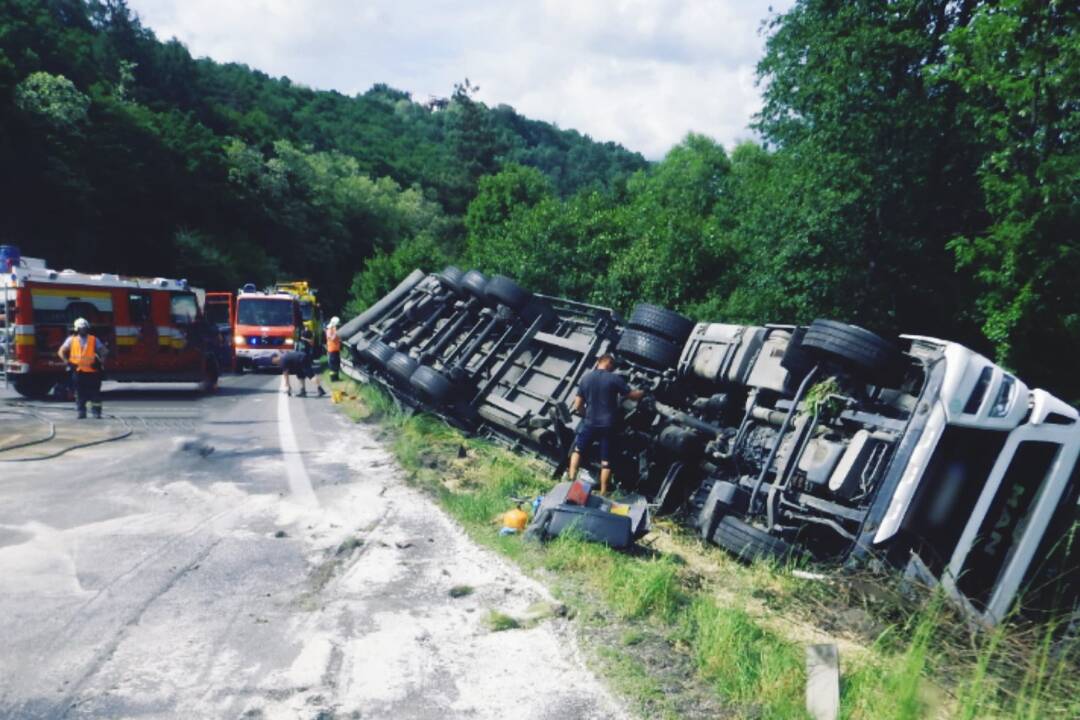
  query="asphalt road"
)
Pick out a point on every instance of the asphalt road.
point(248, 555)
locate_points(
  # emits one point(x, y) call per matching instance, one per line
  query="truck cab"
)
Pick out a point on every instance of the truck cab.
point(266, 325)
point(310, 314)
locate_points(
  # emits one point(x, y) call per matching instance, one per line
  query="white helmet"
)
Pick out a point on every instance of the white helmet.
point(335, 321)
point(82, 324)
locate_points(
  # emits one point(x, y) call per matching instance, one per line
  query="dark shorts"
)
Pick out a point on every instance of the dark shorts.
point(298, 364)
point(587, 435)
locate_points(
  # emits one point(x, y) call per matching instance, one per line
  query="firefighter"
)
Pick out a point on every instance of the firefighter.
point(333, 348)
point(85, 355)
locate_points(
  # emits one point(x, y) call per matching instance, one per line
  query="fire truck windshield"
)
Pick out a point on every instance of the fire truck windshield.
point(264, 311)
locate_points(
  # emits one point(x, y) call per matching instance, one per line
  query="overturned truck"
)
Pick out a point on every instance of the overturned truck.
point(825, 441)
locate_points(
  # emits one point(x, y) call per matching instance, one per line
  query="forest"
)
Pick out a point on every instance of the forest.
point(916, 170)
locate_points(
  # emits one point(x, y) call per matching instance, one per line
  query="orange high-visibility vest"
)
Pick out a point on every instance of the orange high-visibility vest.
point(82, 356)
point(333, 342)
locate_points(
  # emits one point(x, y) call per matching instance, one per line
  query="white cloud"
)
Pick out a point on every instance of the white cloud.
point(640, 72)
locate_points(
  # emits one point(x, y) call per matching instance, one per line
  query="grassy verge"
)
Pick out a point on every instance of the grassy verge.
point(682, 631)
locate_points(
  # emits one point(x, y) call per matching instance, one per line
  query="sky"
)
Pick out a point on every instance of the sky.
point(642, 73)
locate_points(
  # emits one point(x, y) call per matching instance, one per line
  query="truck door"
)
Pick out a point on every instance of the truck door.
point(218, 310)
point(187, 332)
point(137, 343)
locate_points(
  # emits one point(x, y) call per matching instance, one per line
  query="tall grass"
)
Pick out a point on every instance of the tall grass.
point(745, 662)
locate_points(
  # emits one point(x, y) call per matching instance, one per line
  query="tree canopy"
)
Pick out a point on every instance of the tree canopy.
point(916, 171)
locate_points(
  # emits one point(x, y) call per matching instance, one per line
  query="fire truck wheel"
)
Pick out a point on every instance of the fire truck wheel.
point(36, 388)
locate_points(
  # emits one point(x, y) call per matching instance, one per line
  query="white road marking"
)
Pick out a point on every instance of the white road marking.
point(299, 482)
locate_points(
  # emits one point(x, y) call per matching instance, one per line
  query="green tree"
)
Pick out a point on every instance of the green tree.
point(877, 159)
point(1018, 63)
point(53, 99)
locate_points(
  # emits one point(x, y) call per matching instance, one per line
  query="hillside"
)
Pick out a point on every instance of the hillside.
point(122, 152)
point(916, 172)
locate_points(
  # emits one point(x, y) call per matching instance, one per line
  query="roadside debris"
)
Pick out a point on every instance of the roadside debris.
point(515, 519)
point(572, 507)
point(194, 445)
point(499, 622)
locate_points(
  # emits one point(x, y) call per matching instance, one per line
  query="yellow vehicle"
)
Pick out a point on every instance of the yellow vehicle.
point(309, 307)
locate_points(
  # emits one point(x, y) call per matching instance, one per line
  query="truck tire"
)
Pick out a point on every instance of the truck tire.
point(747, 542)
point(501, 289)
point(852, 346)
point(450, 278)
point(379, 352)
point(401, 366)
point(649, 350)
point(474, 282)
point(35, 388)
point(661, 321)
point(538, 308)
point(431, 384)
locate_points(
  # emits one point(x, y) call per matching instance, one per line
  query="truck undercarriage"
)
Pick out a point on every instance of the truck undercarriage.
point(825, 441)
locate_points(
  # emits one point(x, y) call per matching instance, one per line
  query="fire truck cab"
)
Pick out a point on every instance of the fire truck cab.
point(266, 325)
point(154, 327)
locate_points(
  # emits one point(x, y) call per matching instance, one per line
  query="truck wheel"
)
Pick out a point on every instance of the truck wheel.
point(502, 289)
point(649, 350)
point(379, 352)
point(854, 347)
point(474, 282)
point(661, 321)
point(538, 308)
point(35, 388)
point(450, 277)
point(432, 384)
point(747, 542)
point(401, 366)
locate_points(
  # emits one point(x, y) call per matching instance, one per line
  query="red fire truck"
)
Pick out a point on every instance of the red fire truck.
point(154, 328)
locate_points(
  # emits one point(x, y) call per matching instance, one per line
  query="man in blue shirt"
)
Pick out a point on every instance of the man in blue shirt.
point(599, 393)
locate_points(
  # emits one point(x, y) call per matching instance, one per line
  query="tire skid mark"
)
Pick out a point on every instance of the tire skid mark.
point(101, 658)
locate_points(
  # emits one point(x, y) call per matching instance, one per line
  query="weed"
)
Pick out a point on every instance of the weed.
point(498, 622)
point(460, 591)
point(633, 683)
point(745, 662)
point(650, 588)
